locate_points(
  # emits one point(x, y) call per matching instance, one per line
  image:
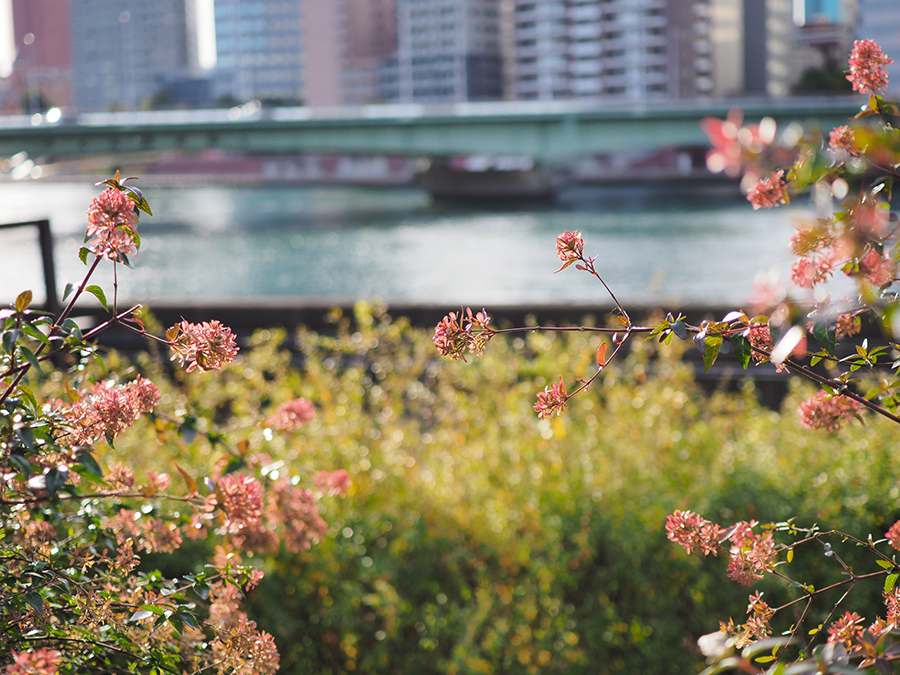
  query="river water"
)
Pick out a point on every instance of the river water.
point(343, 243)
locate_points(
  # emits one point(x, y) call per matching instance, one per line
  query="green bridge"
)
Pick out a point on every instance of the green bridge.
point(546, 131)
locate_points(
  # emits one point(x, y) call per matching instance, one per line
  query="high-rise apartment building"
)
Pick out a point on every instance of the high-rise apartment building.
point(448, 50)
point(125, 51)
point(259, 48)
point(631, 50)
point(369, 55)
point(42, 71)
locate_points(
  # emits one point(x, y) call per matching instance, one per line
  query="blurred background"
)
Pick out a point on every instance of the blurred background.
point(344, 149)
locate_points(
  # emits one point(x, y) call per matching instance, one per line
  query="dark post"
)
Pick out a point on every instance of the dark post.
point(46, 240)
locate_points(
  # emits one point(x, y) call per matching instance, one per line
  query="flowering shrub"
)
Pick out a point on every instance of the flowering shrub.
point(850, 179)
point(79, 593)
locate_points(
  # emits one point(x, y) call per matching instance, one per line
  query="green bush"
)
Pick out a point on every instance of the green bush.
point(479, 539)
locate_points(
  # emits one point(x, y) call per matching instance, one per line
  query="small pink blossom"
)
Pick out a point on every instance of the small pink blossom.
point(107, 409)
point(156, 482)
point(893, 535)
point(769, 192)
point(240, 497)
point(848, 325)
point(726, 152)
point(112, 223)
point(760, 337)
point(841, 139)
point(812, 270)
point(569, 248)
point(291, 415)
point(847, 630)
point(456, 334)
point(892, 605)
point(824, 411)
point(336, 482)
point(877, 269)
point(751, 558)
point(121, 477)
point(295, 509)
point(551, 400)
point(867, 73)
point(41, 662)
point(693, 532)
point(757, 625)
point(203, 346)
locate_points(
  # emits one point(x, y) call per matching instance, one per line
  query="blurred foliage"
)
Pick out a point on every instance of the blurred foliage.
point(479, 539)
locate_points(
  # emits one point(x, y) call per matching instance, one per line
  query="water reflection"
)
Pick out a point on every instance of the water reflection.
point(345, 243)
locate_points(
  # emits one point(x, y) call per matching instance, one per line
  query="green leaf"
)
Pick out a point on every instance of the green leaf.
point(890, 581)
point(33, 332)
point(790, 555)
point(826, 336)
point(83, 253)
point(69, 288)
point(32, 359)
point(22, 464)
point(9, 340)
point(235, 464)
point(141, 615)
point(764, 659)
point(34, 599)
point(192, 486)
point(742, 349)
point(56, 479)
point(98, 293)
point(90, 464)
point(23, 301)
point(712, 346)
point(886, 564)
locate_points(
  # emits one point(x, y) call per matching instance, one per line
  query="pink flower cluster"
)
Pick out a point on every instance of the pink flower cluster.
point(693, 532)
point(569, 248)
point(893, 535)
point(551, 400)
point(335, 482)
point(809, 271)
point(841, 139)
point(760, 337)
point(203, 346)
point(241, 499)
point(769, 192)
point(824, 246)
point(456, 334)
point(41, 662)
point(734, 146)
point(112, 222)
point(751, 554)
point(239, 647)
point(757, 625)
point(877, 269)
point(291, 415)
point(867, 73)
point(107, 408)
point(824, 411)
point(251, 518)
point(847, 630)
point(145, 533)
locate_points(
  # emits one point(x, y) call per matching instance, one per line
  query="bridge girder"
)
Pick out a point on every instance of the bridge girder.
point(548, 132)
